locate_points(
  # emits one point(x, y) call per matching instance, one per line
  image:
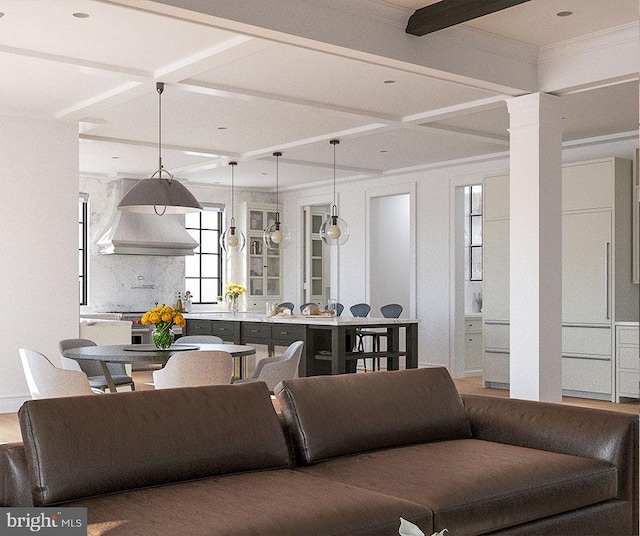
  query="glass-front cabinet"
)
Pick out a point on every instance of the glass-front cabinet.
point(263, 266)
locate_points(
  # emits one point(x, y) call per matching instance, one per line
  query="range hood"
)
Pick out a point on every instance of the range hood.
point(146, 234)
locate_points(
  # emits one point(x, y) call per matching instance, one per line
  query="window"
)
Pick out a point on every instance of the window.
point(203, 270)
point(473, 232)
point(83, 256)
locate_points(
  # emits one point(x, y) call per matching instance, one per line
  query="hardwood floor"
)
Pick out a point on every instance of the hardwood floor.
point(10, 429)
point(474, 386)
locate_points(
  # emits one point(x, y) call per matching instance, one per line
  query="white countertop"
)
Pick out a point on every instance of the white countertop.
point(632, 324)
point(103, 321)
point(298, 319)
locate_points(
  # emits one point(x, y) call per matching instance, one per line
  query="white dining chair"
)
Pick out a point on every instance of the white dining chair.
point(201, 339)
point(273, 370)
point(45, 380)
point(195, 368)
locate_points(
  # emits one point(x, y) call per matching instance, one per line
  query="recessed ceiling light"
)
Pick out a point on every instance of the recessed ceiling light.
point(389, 81)
point(222, 128)
point(115, 158)
point(81, 15)
point(383, 151)
point(264, 173)
point(564, 13)
point(1, 14)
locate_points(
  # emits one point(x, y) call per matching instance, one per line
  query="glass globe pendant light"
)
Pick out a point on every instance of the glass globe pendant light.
point(232, 239)
point(275, 236)
point(334, 231)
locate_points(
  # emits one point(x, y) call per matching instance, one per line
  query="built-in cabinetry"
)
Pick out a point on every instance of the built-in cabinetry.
point(628, 359)
point(596, 275)
point(472, 345)
point(262, 267)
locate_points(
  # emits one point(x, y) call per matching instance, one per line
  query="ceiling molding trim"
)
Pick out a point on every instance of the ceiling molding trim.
point(99, 68)
point(343, 134)
point(79, 110)
point(475, 135)
point(250, 95)
point(465, 108)
point(626, 35)
point(598, 140)
point(197, 63)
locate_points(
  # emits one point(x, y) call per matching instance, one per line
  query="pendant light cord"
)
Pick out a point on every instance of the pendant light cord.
point(233, 165)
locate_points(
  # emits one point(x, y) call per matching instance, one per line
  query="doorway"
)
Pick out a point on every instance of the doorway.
point(390, 264)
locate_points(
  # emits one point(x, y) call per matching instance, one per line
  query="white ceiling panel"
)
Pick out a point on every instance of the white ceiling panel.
point(323, 78)
point(112, 34)
point(193, 120)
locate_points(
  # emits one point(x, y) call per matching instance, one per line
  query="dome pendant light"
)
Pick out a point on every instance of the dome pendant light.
point(275, 236)
point(158, 194)
point(232, 239)
point(334, 231)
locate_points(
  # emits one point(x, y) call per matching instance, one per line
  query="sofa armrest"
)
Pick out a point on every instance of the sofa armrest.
point(591, 433)
point(15, 489)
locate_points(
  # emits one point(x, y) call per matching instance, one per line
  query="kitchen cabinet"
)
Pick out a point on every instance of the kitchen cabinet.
point(596, 275)
point(262, 267)
point(472, 345)
point(628, 359)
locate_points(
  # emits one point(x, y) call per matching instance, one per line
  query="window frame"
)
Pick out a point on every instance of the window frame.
point(191, 281)
point(83, 249)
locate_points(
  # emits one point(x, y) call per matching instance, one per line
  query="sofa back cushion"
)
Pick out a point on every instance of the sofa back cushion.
point(329, 416)
point(83, 446)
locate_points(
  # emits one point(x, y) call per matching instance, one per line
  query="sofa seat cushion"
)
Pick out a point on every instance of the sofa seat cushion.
point(266, 503)
point(475, 486)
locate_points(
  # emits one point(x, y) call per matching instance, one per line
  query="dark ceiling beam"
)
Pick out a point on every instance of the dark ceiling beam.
point(448, 13)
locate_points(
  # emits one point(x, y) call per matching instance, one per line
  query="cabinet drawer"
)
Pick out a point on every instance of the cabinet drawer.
point(256, 331)
point(496, 336)
point(586, 341)
point(198, 327)
point(472, 325)
point(496, 367)
point(227, 331)
point(282, 332)
point(586, 375)
point(628, 358)
point(628, 336)
point(628, 383)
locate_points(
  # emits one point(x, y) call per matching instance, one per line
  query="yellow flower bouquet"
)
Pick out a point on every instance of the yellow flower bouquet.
point(164, 318)
point(231, 293)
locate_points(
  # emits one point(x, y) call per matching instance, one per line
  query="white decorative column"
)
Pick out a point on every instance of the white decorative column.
point(536, 247)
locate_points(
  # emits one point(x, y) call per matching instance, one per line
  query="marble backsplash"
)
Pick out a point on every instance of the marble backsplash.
point(134, 282)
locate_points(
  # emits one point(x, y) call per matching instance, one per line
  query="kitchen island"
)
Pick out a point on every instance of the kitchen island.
point(328, 341)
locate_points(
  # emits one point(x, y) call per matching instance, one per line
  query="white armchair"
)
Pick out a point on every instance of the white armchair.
point(195, 368)
point(45, 380)
point(272, 370)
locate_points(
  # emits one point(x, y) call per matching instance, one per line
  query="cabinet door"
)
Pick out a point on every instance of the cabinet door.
point(496, 270)
point(586, 267)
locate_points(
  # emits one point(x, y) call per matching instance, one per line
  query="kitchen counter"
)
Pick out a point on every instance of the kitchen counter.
point(328, 341)
point(300, 319)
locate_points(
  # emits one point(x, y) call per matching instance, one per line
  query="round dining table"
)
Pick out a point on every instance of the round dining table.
point(148, 353)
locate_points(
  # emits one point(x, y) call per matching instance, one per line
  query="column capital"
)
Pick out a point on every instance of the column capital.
point(532, 108)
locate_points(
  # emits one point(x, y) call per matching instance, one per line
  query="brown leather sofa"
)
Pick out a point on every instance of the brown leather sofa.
point(350, 455)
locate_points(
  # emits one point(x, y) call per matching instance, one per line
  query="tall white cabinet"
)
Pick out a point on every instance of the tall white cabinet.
point(597, 285)
point(262, 267)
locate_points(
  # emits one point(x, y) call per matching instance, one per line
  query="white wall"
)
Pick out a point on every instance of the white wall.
point(39, 243)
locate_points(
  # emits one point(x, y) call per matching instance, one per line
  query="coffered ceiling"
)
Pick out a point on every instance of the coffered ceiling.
point(235, 93)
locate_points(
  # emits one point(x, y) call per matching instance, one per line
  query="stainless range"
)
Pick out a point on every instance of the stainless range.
point(140, 333)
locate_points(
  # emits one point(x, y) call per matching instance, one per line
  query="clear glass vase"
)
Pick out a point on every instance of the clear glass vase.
point(233, 304)
point(163, 336)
